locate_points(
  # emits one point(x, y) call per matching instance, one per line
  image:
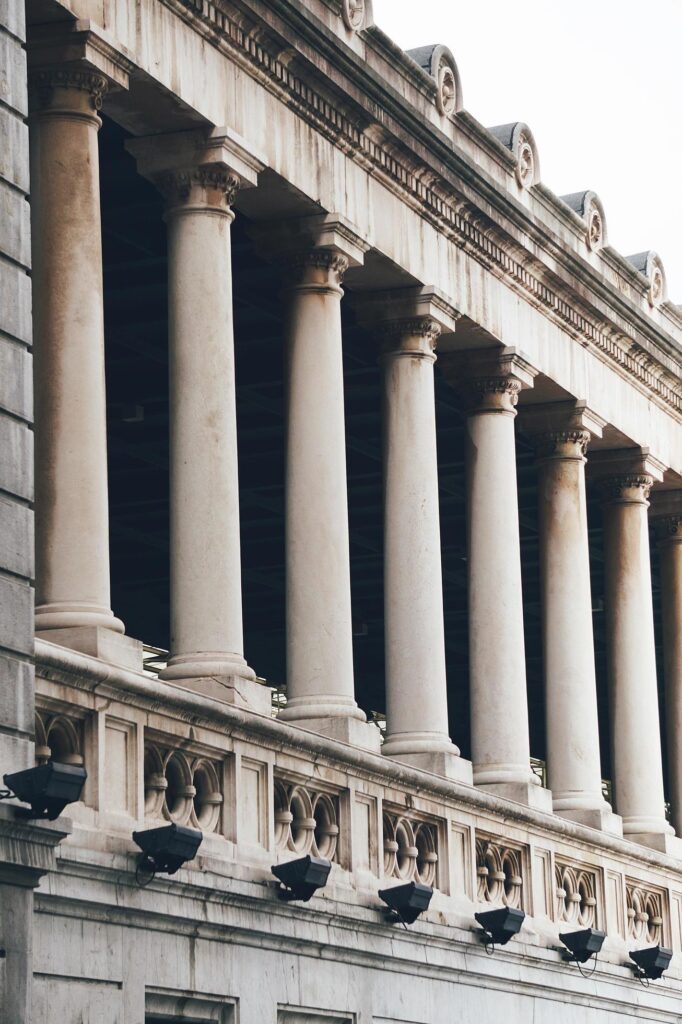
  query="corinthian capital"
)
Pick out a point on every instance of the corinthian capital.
point(66, 89)
point(490, 381)
point(214, 186)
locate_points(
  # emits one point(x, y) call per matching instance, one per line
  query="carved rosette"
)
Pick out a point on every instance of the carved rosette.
point(525, 162)
point(49, 88)
point(353, 13)
point(596, 231)
point(649, 264)
point(563, 444)
point(439, 63)
point(628, 489)
point(210, 186)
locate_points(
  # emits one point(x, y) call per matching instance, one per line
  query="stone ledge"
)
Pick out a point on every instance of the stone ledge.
point(149, 693)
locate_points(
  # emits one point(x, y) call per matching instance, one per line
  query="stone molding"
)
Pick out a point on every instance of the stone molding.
point(437, 202)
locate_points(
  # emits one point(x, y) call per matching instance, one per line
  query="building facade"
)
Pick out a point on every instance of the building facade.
point(353, 528)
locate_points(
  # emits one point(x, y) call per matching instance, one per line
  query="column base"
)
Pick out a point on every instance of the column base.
point(75, 615)
point(527, 793)
point(445, 763)
point(221, 677)
point(107, 644)
point(603, 819)
point(356, 733)
point(664, 842)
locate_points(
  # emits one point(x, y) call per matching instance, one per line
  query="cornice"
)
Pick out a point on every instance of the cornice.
point(457, 189)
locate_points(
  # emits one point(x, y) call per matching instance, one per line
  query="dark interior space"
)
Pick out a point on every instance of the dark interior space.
point(137, 389)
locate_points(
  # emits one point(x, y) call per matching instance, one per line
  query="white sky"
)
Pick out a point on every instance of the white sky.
point(599, 82)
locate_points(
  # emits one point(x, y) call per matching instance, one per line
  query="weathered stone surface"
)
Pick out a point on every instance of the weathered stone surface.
point(16, 385)
point(16, 458)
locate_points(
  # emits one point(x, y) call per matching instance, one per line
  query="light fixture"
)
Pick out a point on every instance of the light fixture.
point(165, 849)
point(302, 877)
point(499, 926)
point(650, 963)
point(582, 944)
point(48, 788)
point(406, 902)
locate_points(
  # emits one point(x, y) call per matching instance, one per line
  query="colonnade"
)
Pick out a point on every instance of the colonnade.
point(199, 175)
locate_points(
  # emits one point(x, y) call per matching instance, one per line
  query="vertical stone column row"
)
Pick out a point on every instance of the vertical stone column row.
point(72, 518)
point(635, 730)
point(320, 681)
point(669, 529)
point(199, 178)
point(500, 742)
point(416, 685)
point(572, 725)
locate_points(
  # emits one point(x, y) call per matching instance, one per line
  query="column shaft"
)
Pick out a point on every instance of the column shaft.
point(636, 741)
point(499, 709)
point(318, 603)
point(72, 524)
point(206, 597)
point(572, 727)
point(671, 602)
point(416, 686)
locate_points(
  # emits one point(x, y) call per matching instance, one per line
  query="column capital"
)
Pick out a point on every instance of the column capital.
point(295, 238)
point(197, 169)
point(561, 430)
point(70, 71)
point(666, 514)
point(490, 380)
point(625, 476)
point(407, 321)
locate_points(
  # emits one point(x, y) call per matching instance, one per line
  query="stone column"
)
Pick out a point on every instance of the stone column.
point(635, 729)
point(71, 498)
point(199, 178)
point(320, 687)
point(668, 519)
point(572, 725)
point(500, 743)
point(408, 323)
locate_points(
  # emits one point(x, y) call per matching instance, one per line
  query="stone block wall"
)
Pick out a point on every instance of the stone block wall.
point(16, 413)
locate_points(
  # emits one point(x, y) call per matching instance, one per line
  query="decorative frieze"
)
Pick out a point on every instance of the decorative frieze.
point(576, 894)
point(306, 820)
point(644, 913)
point(410, 848)
point(499, 871)
point(439, 204)
point(182, 787)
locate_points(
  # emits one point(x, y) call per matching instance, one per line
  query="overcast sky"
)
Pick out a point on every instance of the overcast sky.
point(599, 82)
